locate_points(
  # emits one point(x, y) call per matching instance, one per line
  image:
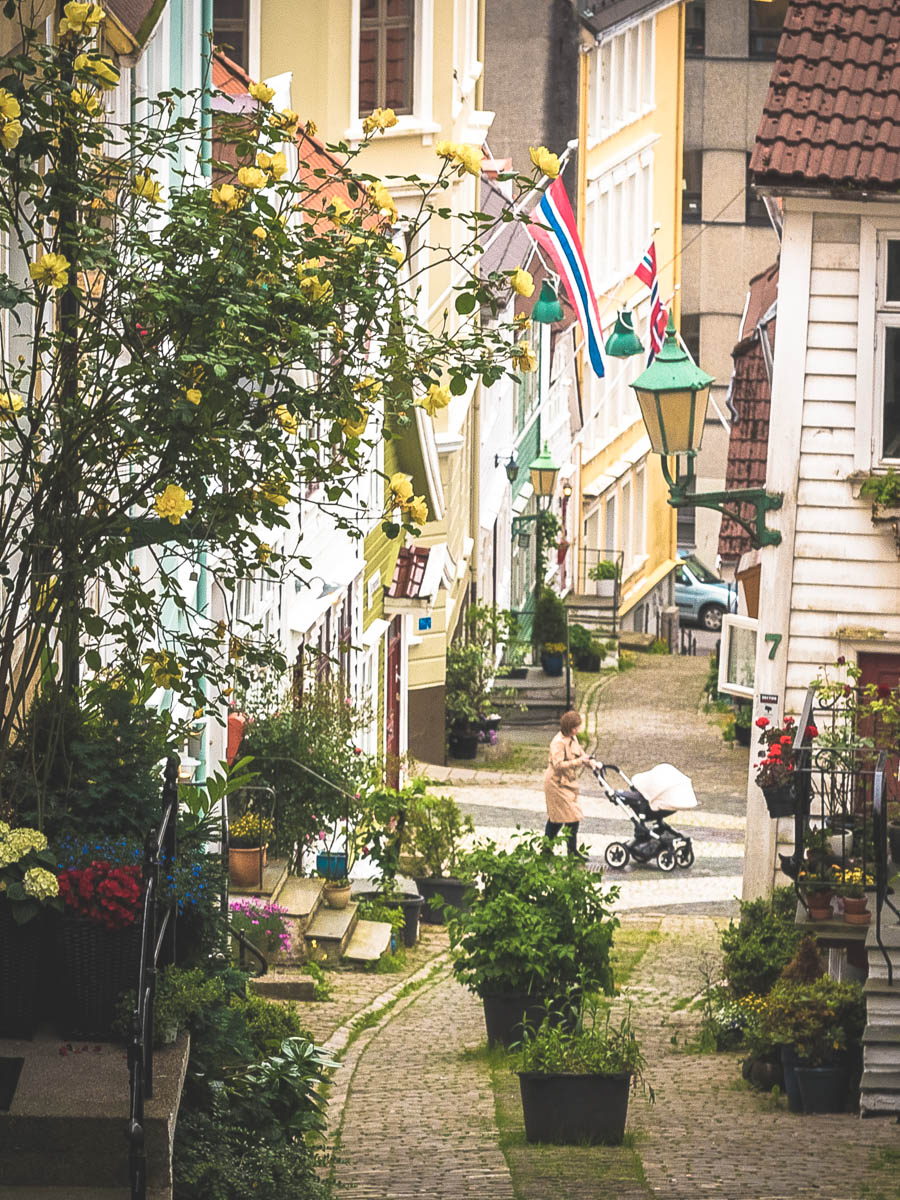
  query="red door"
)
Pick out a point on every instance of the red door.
point(392, 721)
point(882, 670)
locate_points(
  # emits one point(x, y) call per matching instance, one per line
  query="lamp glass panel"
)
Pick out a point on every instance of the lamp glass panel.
point(543, 482)
point(683, 417)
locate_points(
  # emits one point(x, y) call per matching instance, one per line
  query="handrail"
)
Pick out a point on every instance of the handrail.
point(157, 942)
point(879, 834)
point(244, 944)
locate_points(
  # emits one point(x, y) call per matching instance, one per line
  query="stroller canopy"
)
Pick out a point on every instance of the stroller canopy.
point(664, 786)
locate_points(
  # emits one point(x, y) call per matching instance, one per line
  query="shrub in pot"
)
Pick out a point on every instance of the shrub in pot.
point(759, 946)
point(575, 1083)
point(549, 626)
point(604, 573)
point(435, 828)
point(28, 890)
point(248, 837)
point(466, 698)
point(539, 926)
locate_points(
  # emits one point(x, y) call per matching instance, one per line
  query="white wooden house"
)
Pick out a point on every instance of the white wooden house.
point(829, 148)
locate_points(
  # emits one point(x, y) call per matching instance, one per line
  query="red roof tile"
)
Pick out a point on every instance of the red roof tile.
point(748, 444)
point(832, 114)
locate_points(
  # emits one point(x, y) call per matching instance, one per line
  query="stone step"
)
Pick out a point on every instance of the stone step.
point(369, 941)
point(883, 1083)
point(881, 1056)
point(890, 937)
point(877, 1033)
point(331, 930)
point(878, 1104)
point(77, 1193)
point(274, 876)
point(287, 984)
point(302, 898)
point(66, 1125)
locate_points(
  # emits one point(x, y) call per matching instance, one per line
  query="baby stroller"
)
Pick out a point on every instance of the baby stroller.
point(648, 799)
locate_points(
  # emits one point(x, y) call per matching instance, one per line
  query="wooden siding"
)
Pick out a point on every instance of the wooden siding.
point(845, 573)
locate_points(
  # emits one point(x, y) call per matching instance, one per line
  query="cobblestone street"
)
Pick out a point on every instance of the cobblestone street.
point(425, 1111)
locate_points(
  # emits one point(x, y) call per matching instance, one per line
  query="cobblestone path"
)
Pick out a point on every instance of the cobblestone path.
point(419, 1116)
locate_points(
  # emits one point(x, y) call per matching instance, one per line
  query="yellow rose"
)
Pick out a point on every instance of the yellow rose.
point(546, 163)
point(355, 427)
point(311, 128)
point(285, 122)
point(395, 253)
point(85, 100)
point(275, 491)
point(147, 188)
point(80, 18)
point(417, 510)
point(339, 211)
point(368, 385)
point(314, 289)
point(261, 92)
point(380, 119)
point(52, 269)
point(227, 196)
point(9, 105)
point(165, 670)
point(525, 357)
point(10, 404)
point(286, 420)
point(275, 164)
point(445, 149)
point(522, 282)
point(434, 399)
point(263, 552)
point(383, 200)
point(401, 487)
point(10, 133)
point(251, 177)
point(469, 158)
point(193, 395)
point(259, 233)
point(102, 71)
point(173, 504)
point(198, 713)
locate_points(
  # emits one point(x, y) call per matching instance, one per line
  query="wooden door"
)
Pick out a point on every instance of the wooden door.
point(393, 679)
point(883, 671)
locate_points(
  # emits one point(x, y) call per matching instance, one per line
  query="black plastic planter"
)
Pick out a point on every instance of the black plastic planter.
point(789, 1062)
point(21, 950)
point(96, 966)
point(505, 1014)
point(452, 892)
point(822, 1089)
point(570, 1110)
point(411, 906)
point(463, 745)
point(894, 840)
point(780, 800)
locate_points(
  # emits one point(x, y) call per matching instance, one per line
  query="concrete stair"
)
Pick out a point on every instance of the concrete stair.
point(65, 1132)
point(880, 1084)
point(368, 942)
point(286, 984)
point(536, 700)
point(331, 930)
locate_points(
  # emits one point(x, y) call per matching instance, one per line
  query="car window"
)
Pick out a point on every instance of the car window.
point(702, 572)
point(681, 576)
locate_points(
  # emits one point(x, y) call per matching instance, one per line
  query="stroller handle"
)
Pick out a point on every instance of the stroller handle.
point(600, 769)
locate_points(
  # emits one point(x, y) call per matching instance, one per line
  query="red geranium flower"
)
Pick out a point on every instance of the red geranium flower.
point(762, 722)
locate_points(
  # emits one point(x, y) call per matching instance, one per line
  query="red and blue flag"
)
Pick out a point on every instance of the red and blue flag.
point(659, 317)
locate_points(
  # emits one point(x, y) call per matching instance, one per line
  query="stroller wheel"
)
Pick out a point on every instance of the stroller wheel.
point(684, 856)
point(665, 860)
point(616, 855)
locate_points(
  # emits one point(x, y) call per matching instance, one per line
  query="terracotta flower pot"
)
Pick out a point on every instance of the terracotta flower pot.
point(337, 895)
point(244, 868)
point(856, 910)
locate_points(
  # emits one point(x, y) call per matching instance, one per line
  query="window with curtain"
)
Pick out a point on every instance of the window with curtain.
point(386, 55)
point(231, 29)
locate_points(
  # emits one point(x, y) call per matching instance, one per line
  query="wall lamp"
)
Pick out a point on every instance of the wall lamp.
point(511, 467)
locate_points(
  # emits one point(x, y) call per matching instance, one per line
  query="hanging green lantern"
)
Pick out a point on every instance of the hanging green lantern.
point(547, 307)
point(623, 341)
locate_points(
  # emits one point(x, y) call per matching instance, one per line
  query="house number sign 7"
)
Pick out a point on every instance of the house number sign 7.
point(774, 640)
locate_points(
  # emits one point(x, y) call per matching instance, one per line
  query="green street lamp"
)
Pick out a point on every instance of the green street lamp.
point(543, 473)
point(673, 394)
point(547, 307)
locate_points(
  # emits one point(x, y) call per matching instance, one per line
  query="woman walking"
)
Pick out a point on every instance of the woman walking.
point(561, 783)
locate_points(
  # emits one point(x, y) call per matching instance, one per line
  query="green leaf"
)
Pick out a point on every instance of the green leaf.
point(459, 385)
point(465, 303)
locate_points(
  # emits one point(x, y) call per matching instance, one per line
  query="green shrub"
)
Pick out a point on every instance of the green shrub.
point(549, 619)
point(268, 1022)
point(816, 1019)
point(586, 652)
point(759, 946)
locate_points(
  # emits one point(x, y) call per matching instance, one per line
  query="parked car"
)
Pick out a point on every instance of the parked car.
point(702, 597)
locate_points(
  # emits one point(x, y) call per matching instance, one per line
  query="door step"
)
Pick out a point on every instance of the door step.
point(283, 985)
point(331, 930)
point(368, 942)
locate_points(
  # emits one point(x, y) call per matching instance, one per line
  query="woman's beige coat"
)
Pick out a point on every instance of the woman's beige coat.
point(560, 780)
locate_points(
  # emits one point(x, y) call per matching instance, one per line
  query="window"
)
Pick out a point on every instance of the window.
point(692, 187)
point(695, 30)
point(639, 546)
point(231, 29)
point(690, 334)
point(888, 341)
point(386, 55)
point(755, 211)
point(766, 21)
point(621, 81)
point(619, 218)
point(626, 522)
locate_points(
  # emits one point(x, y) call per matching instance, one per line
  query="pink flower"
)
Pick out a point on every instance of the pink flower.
point(841, 662)
point(322, 837)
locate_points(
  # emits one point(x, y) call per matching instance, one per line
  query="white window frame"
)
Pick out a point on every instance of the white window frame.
point(421, 119)
point(610, 211)
point(731, 687)
point(619, 95)
point(466, 67)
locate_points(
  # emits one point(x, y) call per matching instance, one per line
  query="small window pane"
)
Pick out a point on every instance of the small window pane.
point(229, 10)
point(692, 193)
point(755, 212)
point(695, 30)
point(368, 70)
point(891, 428)
point(368, 9)
point(766, 22)
point(690, 334)
point(399, 8)
point(397, 62)
point(893, 272)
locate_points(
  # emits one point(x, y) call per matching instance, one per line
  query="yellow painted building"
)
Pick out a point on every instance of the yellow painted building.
point(422, 58)
point(629, 192)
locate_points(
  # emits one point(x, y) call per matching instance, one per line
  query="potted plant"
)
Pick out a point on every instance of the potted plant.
point(538, 927)
point(852, 883)
point(605, 573)
point(776, 769)
point(465, 698)
point(816, 882)
point(575, 1082)
point(28, 889)
point(884, 492)
point(248, 839)
point(549, 631)
point(436, 828)
point(818, 1025)
point(743, 728)
point(98, 943)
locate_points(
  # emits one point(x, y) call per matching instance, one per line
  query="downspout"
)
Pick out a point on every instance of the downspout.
point(584, 77)
point(206, 84)
point(676, 222)
point(482, 37)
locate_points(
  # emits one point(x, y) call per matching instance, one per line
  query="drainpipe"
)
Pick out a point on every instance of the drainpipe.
point(206, 84)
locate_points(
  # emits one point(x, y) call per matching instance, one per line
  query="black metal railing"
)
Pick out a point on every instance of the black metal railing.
point(882, 874)
point(157, 945)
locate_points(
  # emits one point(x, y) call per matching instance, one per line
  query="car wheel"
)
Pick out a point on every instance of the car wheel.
point(711, 617)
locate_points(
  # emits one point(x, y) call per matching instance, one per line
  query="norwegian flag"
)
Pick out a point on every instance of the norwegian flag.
point(659, 316)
